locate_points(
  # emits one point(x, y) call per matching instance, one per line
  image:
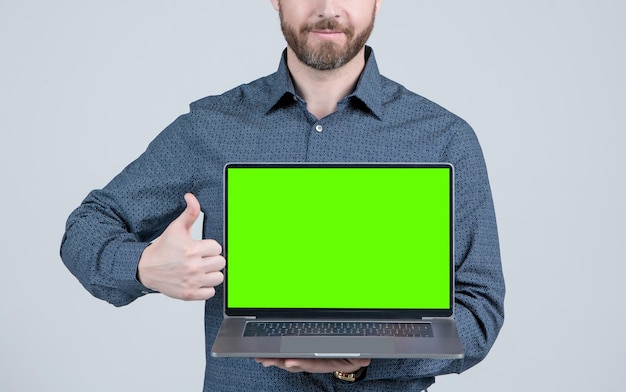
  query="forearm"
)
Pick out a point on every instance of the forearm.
point(103, 255)
point(106, 235)
point(477, 340)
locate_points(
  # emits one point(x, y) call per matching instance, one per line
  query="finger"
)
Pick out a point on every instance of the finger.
point(204, 249)
point(358, 363)
point(209, 248)
point(213, 264)
point(267, 362)
point(295, 365)
point(315, 365)
point(201, 294)
point(212, 279)
point(200, 276)
point(188, 217)
point(324, 365)
point(309, 365)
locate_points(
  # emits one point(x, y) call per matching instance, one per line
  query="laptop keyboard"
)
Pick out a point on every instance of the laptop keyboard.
point(338, 329)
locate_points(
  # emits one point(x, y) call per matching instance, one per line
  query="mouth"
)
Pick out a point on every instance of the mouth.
point(328, 34)
point(328, 29)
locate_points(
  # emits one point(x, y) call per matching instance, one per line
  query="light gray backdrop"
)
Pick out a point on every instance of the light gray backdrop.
point(86, 85)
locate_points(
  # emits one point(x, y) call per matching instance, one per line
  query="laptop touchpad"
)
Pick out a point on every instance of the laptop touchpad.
point(336, 346)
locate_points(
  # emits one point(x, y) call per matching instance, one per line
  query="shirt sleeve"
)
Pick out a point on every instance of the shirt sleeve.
point(480, 289)
point(106, 235)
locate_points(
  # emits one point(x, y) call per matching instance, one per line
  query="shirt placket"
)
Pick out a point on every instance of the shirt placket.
point(321, 139)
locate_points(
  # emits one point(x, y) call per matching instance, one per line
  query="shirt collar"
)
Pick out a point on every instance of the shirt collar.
point(367, 91)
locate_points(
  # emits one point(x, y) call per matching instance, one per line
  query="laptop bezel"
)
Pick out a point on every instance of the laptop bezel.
point(341, 313)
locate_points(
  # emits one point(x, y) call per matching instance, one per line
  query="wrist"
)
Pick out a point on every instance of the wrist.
point(141, 265)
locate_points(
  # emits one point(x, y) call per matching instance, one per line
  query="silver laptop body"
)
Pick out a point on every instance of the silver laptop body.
point(338, 260)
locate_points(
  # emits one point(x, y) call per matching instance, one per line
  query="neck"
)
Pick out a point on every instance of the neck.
point(321, 90)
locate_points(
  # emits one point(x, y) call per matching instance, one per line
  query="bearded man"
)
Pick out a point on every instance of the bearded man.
point(327, 102)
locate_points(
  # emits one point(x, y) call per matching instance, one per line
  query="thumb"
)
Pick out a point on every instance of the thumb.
point(188, 217)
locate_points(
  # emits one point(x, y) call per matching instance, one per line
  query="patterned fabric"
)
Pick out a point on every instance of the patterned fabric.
point(267, 121)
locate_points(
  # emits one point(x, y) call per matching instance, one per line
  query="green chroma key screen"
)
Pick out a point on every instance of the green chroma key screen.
point(339, 237)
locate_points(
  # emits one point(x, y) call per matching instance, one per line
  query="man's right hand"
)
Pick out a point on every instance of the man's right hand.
point(179, 266)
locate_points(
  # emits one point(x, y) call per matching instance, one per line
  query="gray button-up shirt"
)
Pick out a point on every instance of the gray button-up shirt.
point(266, 120)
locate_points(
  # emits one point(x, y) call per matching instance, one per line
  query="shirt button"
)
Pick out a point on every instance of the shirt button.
point(319, 128)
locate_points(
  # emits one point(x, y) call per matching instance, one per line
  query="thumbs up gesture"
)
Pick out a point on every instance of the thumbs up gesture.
point(179, 266)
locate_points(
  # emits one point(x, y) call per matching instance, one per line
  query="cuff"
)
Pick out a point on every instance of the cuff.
point(127, 259)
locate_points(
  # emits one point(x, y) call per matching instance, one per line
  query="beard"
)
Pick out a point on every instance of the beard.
point(328, 55)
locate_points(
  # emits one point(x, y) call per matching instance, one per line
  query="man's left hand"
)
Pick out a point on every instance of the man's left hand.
point(316, 365)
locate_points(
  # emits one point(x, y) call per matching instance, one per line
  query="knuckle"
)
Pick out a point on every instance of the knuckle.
point(191, 269)
point(215, 246)
point(210, 293)
point(214, 278)
point(220, 262)
point(218, 278)
point(192, 250)
point(187, 295)
point(214, 263)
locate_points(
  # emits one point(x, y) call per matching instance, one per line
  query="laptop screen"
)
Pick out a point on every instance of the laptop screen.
point(337, 237)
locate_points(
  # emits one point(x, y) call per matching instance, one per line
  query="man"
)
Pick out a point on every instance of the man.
point(326, 102)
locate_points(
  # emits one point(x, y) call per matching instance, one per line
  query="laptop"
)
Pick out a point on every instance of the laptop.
point(338, 260)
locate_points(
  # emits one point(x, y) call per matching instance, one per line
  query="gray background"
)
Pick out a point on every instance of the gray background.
point(86, 85)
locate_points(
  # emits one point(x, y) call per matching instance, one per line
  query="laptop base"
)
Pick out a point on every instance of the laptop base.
point(444, 344)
